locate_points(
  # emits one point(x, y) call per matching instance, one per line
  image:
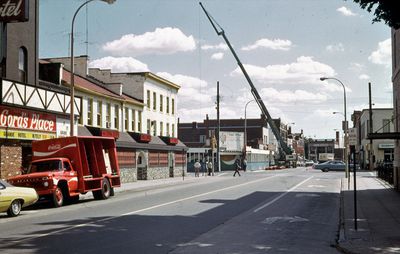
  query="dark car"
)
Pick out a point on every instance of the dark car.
point(330, 166)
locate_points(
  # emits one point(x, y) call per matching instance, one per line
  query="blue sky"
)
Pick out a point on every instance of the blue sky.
point(285, 45)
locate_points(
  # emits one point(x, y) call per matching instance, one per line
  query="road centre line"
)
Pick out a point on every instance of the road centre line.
point(281, 195)
point(134, 212)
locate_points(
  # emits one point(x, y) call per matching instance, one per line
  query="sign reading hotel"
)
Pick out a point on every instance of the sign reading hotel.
point(18, 123)
point(14, 11)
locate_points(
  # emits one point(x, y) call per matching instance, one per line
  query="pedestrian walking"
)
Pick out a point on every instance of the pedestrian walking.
point(209, 167)
point(244, 164)
point(197, 167)
point(237, 167)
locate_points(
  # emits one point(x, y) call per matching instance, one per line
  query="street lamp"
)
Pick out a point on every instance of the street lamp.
point(245, 127)
point(72, 81)
point(345, 122)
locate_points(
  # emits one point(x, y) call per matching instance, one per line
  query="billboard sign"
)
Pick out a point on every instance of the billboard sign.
point(14, 11)
point(231, 141)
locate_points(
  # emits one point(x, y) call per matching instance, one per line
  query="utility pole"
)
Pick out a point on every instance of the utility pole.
point(218, 130)
point(370, 154)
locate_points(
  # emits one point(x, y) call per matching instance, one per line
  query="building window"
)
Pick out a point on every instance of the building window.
point(173, 130)
point(90, 112)
point(154, 127)
point(126, 120)
point(167, 105)
point(148, 99)
point(116, 116)
point(99, 112)
point(161, 103)
point(80, 120)
point(173, 106)
point(133, 119)
point(148, 126)
point(202, 138)
point(108, 116)
point(386, 125)
point(161, 128)
point(139, 121)
point(167, 126)
point(154, 100)
point(22, 64)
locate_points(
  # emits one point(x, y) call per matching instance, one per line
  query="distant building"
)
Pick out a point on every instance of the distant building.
point(321, 149)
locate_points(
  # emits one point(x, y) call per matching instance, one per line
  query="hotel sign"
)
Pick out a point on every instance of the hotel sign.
point(18, 123)
point(14, 11)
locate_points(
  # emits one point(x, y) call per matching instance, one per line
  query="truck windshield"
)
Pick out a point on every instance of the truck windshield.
point(43, 166)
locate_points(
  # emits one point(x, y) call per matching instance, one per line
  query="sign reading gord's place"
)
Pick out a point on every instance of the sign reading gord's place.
point(18, 123)
point(14, 10)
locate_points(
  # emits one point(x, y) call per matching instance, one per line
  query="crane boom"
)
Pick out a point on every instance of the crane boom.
point(254, 91)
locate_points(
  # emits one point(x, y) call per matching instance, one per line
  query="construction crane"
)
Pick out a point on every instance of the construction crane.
point(284, 149)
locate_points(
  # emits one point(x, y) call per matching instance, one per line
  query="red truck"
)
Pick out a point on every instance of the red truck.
point(63, 168)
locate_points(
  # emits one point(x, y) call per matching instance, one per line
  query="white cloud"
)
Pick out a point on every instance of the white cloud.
point(275, 44)
point(217, 56)
point(364, 77)
point(221, 46)
point(335, 47)
point(358, 67)
point(119, 64)
point(193, 93)
point(383, 54)
point(161, 41)
point(346, 12)
point(304, 71)
point(287, 96)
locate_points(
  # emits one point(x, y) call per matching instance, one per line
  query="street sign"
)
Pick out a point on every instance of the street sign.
point(352, 136)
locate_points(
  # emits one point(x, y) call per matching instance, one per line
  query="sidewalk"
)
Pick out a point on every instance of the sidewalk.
point(378, 217)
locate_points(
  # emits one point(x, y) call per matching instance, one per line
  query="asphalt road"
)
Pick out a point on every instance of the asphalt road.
point(286, 211)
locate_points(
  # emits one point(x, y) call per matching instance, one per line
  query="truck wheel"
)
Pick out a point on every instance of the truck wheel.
point(58, 197)
point(15, 208)
point(105, 191)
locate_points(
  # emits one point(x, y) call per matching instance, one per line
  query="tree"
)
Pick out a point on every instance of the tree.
point(386, 11)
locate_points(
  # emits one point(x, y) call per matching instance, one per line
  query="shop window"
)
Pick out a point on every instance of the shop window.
point(22, 64)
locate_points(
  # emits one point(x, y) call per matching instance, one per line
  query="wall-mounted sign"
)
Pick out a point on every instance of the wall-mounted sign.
point(19, 123)
point(386, 146)
point(14, 11)
point(231, 141)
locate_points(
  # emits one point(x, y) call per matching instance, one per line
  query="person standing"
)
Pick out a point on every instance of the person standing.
point(209, 167)
point(197, 167)
point(244, 162)
point(237, 167)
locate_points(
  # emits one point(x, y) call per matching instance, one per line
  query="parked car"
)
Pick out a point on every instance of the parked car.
point(13, 199)
point(309, 163)
point(334, 165)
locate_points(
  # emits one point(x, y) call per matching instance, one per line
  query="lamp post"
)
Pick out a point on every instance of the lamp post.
point(245, 127)
point(72, 81)
point(345, 124)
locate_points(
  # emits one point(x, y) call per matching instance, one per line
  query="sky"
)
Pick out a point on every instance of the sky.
point(285, 46)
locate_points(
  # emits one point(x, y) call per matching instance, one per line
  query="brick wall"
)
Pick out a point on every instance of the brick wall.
point(11, 160)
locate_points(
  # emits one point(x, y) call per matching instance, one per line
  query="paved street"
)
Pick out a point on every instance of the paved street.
point(286, 211)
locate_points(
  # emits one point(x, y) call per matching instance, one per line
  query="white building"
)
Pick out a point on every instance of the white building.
point(382, 149)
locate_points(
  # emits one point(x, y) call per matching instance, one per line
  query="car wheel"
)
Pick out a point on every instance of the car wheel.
point(15, 208)
point(105, 191)
point(325, 170)
point(58, 197)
